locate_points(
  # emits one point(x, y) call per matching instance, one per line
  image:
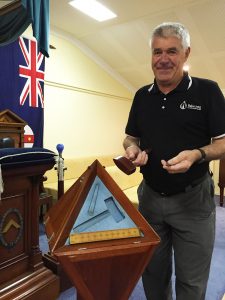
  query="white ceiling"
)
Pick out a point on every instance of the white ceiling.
point(122, 43)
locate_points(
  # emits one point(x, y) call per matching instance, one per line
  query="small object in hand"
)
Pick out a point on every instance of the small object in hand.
point(124, 164)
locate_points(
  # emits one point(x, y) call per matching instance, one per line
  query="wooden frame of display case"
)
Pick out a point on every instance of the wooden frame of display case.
point(106, 269)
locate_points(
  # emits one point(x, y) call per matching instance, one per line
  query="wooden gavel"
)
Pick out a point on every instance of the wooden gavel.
point(125, 165)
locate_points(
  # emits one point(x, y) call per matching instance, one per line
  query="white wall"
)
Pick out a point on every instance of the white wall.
point(86, 124)
point(86, 109)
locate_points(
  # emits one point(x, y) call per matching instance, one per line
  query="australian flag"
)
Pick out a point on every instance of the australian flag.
point(22, 86)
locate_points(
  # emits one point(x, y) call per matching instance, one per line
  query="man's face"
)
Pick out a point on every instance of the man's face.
point(168, 58)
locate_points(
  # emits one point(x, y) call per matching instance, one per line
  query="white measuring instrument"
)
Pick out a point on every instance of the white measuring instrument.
point(87, 237)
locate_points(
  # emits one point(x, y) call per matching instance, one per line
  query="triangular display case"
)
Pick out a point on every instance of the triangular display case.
point(113, 242)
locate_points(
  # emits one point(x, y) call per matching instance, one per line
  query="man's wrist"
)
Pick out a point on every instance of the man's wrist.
point(202, 157)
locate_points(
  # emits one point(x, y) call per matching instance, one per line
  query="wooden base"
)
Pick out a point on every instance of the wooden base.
point(41, 284)
point(107, 273)
point(51, 263)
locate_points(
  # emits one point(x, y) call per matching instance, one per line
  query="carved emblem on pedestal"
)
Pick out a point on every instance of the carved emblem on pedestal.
point(11, 228)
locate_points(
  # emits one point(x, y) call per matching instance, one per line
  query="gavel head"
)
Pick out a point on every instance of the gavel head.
point(124, 164)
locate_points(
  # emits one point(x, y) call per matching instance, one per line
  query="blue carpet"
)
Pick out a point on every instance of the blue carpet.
point(216, 284)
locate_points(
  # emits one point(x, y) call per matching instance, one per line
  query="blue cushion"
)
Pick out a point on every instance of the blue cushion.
point(36, 155)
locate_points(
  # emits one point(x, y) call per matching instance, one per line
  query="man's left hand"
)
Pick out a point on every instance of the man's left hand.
point(182, 162)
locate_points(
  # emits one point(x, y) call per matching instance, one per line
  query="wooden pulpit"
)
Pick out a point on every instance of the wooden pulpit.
point(101, 241)
point(23, 275)
point(12, 126)
point(221, 182)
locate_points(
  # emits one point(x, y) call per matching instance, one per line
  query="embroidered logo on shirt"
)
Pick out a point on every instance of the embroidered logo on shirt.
point(185, 105)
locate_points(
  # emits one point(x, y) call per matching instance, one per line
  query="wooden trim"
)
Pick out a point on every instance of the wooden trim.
point(83, 90)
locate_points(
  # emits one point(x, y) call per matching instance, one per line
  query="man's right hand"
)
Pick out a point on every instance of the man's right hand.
point(138, 157)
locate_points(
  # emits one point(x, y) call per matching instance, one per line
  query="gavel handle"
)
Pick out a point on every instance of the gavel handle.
point(60, 177)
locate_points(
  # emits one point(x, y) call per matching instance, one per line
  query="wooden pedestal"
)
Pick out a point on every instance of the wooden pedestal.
point(23, 275)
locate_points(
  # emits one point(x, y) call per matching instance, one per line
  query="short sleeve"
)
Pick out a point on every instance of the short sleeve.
point(216, 112)
point(132, 124)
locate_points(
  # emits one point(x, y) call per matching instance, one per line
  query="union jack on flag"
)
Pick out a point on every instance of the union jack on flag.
point(32, 73)
point(22, 86)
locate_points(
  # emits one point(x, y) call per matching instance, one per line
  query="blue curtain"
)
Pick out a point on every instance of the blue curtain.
point(16, 17)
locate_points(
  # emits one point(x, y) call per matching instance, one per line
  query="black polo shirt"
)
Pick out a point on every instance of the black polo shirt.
point(184, 119)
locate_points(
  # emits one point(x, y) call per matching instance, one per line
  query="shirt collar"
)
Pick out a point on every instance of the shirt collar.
point(184, 85)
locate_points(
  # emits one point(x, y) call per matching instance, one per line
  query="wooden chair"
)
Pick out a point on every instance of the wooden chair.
point(46, 200)
point(221, 182)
